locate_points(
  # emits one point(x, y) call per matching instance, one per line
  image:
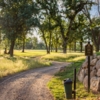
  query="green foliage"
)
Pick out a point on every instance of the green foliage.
point(18, 14)
point(17, 17)
point(79, 31)
point(98, 53)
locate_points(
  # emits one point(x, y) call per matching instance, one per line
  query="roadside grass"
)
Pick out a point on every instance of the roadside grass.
point(21, 62)
point(56, 84)
point(98, 53)
point(28, 60)
point(69, 57)
point(14, 65)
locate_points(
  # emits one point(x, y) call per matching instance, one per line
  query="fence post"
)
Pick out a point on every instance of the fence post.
point(74, 83)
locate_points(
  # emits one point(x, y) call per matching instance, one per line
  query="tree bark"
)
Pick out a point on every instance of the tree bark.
point(44, 38)
point(5, 51)
point(97, 48)
point(49, 42)
point(11, 51)
point(65, 46)
point(56, 49)
point(96, 40)
point(81, 46)
point(50, 34)
point(75, 46)
point(56, 44)
point(51, 47)
point(23, 46)
point(48, 51)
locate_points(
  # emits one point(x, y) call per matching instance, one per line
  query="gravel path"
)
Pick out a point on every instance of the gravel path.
point(29, 85)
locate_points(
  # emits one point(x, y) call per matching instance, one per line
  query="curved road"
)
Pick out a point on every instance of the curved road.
point(29, 85)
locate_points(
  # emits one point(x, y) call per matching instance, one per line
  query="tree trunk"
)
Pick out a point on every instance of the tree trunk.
point(44, 38)
point(51, 47)
point(48, 52)
point(47, 49)
point(97, 48)
point(96, 41)
point(81, 46)
point(49, 35)
point(65, 37)
point(56, 49)
point(11, 51)
point(56, 44)
point(75, 46)
point(23, 46)
point(5, 51)
point(65, 46)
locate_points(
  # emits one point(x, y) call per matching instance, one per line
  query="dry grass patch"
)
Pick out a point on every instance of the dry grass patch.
point(17, 64)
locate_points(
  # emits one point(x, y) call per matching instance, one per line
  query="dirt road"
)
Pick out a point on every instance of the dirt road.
point(29, 85)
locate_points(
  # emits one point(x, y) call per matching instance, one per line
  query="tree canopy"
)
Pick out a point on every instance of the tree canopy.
point(61, 22)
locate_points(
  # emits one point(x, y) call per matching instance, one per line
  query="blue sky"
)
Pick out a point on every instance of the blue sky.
point(94, 11)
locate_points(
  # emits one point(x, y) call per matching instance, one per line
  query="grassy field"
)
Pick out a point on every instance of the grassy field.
point(30, 59)
point(21, 61)
point(69, 57)
point(38, 58)
point(30, 53)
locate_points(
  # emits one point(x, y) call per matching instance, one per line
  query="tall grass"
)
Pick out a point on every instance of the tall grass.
point(21, 61)
point(11, 66)
point(69, 57)
point(30, 59)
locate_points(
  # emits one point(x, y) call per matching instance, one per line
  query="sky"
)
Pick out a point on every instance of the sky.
point(94, 11)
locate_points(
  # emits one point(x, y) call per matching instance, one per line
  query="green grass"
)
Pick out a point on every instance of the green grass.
point(98, 53)
point(56, 84)
point(30, 53)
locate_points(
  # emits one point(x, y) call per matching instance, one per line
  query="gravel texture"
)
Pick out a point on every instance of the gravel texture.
point(29, 85)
